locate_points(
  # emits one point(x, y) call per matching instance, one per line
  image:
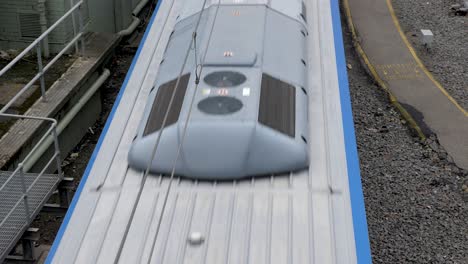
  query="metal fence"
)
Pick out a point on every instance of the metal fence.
point(20, 170)
point(37, 44)
point(17, 189)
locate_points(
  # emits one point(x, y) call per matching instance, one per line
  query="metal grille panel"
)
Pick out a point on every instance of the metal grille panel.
point(161, 104)
point(278, 105)
point(17, 222)
point(29, 25)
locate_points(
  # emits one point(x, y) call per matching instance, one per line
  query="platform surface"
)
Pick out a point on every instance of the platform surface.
point(311, 216)
point(397, 65)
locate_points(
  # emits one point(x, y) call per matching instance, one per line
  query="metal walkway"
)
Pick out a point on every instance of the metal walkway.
point(22, 195)
point(311, 216)
point(13, 217)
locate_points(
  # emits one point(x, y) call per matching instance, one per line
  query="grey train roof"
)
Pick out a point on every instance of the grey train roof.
point(315, 215)
point(250, 111)
point(290, 8)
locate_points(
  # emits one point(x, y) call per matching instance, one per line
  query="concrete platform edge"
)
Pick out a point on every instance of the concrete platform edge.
point(373, 73)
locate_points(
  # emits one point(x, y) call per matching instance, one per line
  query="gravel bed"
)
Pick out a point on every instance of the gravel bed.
point(448, 57)
point(417, 206)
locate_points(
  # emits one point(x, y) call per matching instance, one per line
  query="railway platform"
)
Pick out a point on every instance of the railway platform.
point(395, 66)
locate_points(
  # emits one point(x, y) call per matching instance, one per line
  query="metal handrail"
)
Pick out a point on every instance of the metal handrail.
point(27, 157)
point(37, 44)
point(40, 74)
point(56, 156)
point(23, 167)
point(40, 38)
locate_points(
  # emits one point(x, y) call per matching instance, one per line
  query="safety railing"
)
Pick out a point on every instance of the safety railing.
point(21, 170)
point(18, 189)
point(37, 44)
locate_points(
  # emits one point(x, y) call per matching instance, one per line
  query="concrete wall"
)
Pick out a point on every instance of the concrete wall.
point(19, 23)
point(110, 15)
point(98, 16)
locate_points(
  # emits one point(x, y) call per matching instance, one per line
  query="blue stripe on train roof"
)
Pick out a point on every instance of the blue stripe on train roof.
point(361, 235)
point(76, 197)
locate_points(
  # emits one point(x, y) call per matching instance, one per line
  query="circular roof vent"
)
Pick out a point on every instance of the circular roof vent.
point(220, 105)
point(225, 79)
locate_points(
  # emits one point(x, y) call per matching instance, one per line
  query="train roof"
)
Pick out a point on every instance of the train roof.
point(311, 216)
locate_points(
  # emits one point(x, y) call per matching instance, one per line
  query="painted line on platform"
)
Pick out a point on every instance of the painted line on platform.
point(405, 114)
point(416, 58)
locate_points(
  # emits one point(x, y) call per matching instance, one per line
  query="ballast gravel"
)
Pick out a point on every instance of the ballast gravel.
point(447, 58)
point(416, 199)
